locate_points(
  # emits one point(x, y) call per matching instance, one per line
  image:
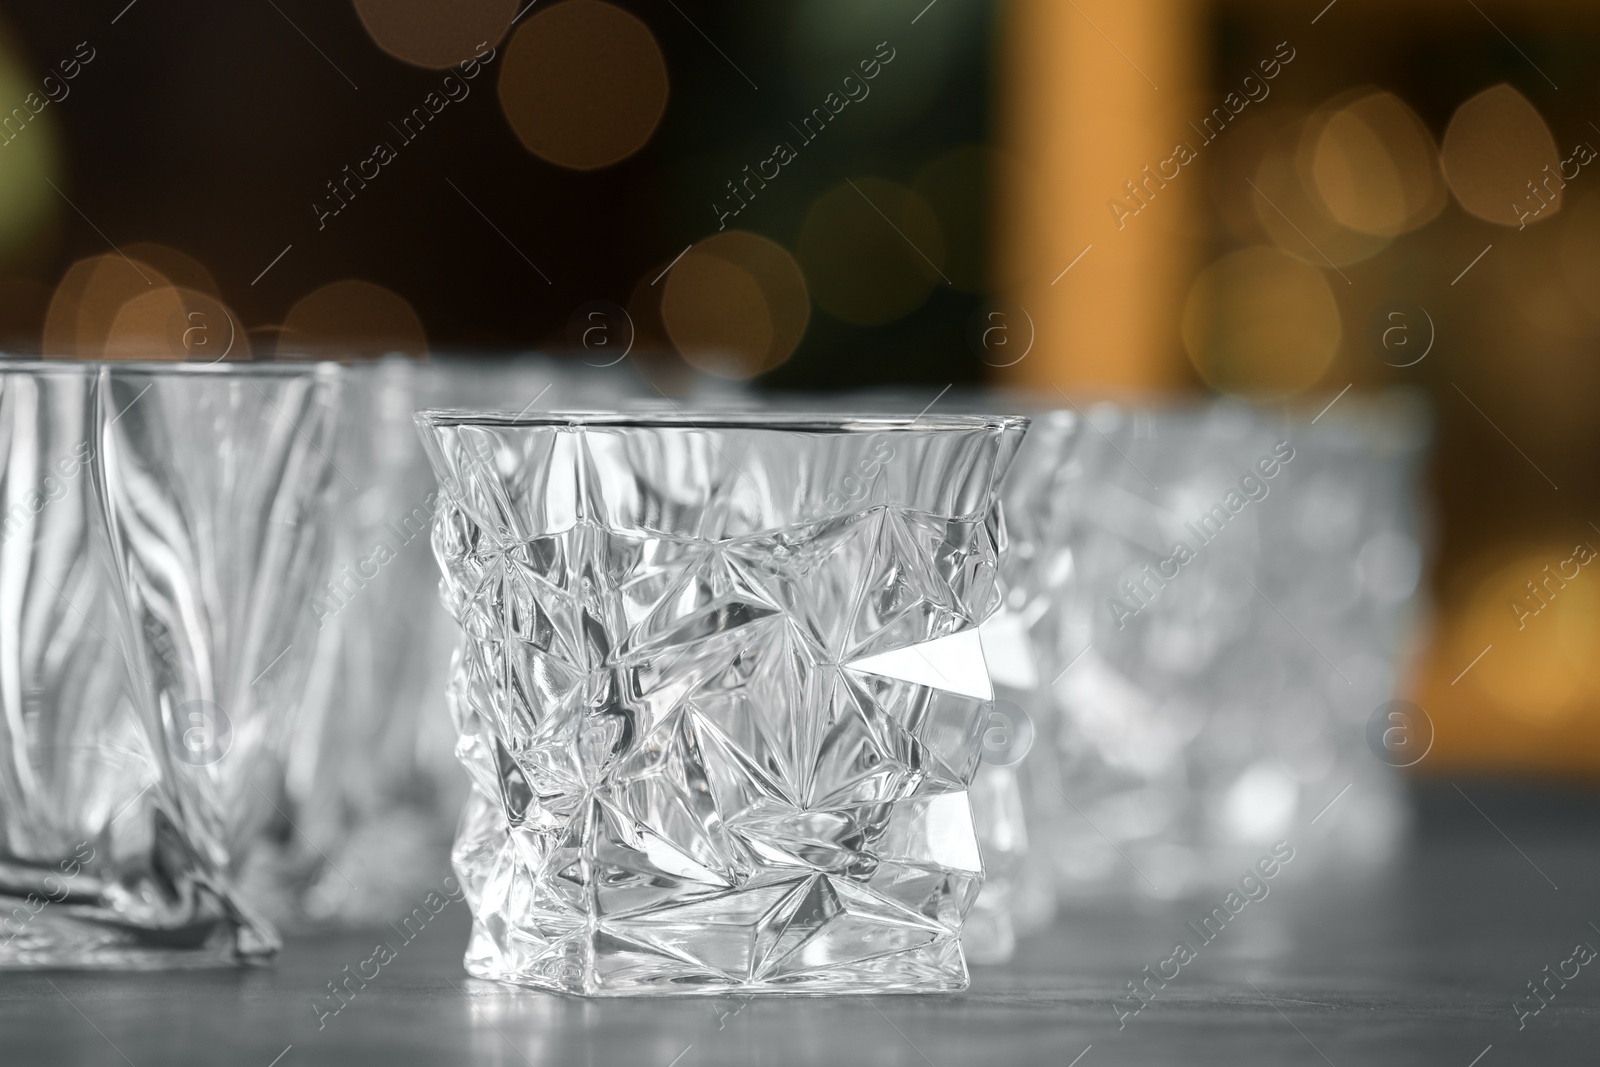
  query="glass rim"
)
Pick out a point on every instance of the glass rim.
point(172, 368)
point(778, 421)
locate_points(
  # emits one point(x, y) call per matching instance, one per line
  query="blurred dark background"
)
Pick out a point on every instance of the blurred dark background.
point(214, 129)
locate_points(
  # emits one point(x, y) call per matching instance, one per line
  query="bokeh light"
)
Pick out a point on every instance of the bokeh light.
point(735, 305)
point(87, 300)
point(176, 323)
point(352, 319)
point(1580, 252)
point(29, 159)
point(1235, 161)
point(435, 33)
point(1542, 669)
point(180, 268)
point(1495, 152)
point(716, 316)
point(1261, 324)
point(872, 251)
point(1540, 283)
point(1376, 167)
point(584, 84)
point(1290, 211)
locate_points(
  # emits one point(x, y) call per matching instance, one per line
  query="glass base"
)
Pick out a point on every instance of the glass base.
point(56, 939)
point(660, 962)
point(602, 919)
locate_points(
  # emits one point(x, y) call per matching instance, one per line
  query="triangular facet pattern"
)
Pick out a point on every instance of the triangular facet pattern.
point(720, 736)
point(954, 663)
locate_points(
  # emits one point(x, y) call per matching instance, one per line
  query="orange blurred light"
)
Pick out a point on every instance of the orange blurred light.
point(1260, 324)
point(1500, 159)
point(435, 33)
point(1289, 209)
point(180, 268)
point(1544, 629)
point(1235, 164)
point(584, 84)
point(176, 323)
point(735, 305)
point(1376, 167)
point(351, 319)
point(1540, 280)
point(1580, 253)
point(87, 300)
point(1082, 117)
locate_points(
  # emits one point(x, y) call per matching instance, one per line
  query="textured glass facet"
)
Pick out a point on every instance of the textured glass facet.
point(156, 519)
point(720, 695)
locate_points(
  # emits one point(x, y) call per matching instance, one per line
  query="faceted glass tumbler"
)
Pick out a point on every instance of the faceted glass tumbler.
point(720, 694)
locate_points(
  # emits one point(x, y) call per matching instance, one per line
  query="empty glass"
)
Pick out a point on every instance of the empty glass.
point(720, 695)
point(373, 782)
point(81, 878)
point(169, 520)
point(217, 486)
point(1227, 595)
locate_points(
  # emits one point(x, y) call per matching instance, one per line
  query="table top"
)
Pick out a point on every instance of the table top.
point(1419, 963)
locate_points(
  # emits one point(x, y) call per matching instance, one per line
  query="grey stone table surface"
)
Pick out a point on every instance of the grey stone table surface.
point(1420, 963)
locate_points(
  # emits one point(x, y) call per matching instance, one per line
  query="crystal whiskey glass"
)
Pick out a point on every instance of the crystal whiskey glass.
point(720, 694)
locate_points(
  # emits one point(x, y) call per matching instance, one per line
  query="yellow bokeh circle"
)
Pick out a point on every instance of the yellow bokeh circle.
point(1261, 324)
point(584, 84)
